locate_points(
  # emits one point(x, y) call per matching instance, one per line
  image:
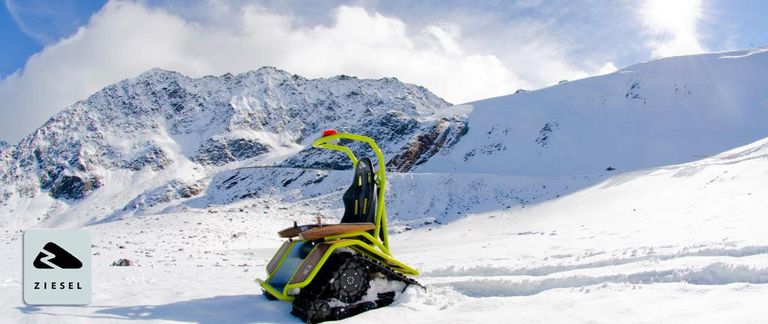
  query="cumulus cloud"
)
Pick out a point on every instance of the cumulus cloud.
point(674, 26)
point(126, 38)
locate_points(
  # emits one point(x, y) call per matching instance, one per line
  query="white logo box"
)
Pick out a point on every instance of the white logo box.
point(57, 267)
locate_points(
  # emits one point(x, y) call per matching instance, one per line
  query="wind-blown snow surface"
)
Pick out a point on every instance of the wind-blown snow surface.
point(518, 221)
point(683, 243)
point(662, 112)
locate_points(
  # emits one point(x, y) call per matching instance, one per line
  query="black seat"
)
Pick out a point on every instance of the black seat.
point(360, 198)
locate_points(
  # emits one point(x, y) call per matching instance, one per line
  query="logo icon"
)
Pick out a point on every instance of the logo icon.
point(54, 257)
point(57, 267)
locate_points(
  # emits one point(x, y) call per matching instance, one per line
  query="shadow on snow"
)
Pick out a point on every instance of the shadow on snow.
point(218, 309)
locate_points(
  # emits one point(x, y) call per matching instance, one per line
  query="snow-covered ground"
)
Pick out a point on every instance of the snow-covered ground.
point(600, 200)
point(677, 244)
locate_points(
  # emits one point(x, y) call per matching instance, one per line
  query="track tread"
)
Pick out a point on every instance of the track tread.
point(310, 304)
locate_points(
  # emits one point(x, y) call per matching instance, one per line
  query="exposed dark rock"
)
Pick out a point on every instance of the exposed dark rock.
point(73, 187)
point(222, 151)
point(150, 155)
point(634, 92)
point(122, 263)
point(444, 134)
point(169, 192)
point(546, 132)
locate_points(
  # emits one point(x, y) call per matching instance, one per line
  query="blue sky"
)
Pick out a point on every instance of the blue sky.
point(58, 51)
point(28, 26)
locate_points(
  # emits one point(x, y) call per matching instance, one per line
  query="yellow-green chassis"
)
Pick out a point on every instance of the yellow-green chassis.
point(375, 246)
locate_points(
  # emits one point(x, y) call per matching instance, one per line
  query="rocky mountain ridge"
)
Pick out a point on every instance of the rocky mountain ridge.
point(164, 120)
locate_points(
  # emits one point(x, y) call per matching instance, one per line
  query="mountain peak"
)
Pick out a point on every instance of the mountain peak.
point(271, 69)
point(265, 72)
point(156, 71)
point(162, 121)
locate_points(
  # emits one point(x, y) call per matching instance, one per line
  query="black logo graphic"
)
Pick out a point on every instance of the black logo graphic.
point(54, 257)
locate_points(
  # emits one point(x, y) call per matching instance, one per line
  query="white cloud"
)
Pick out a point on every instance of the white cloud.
point(673, 24)
point(607, 68)
point(127, 38)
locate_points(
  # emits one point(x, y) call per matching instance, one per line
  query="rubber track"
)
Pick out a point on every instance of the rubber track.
point(304, 302)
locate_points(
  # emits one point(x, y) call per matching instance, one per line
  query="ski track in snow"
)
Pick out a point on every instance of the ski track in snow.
point(717, 273)
point(490, 271)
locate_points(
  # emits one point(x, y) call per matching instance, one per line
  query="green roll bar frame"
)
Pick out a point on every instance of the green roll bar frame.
point(375, 246)
point(330, 142)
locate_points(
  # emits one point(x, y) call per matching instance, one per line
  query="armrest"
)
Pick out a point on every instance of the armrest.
point(331, 230)
point(295, 230)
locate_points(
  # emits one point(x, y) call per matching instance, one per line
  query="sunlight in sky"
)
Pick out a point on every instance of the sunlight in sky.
point(675, 24)
point(672, 15)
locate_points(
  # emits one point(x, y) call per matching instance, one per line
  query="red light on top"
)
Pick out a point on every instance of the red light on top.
point(329, 132)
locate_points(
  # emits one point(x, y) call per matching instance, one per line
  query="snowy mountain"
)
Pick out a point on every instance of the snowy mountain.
point(179, 129)
point(682, 243)
point(535, 146)
point(662, 112)
point(163, 141)
point(635, 196)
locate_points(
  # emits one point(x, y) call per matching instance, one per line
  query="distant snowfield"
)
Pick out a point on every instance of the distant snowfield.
point(677, 244)
point(667, 111)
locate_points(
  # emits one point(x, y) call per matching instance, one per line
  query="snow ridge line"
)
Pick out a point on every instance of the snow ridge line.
point(717, 273)
point(494, 271)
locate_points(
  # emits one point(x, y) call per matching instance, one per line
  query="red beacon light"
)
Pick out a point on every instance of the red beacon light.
point(329, 132)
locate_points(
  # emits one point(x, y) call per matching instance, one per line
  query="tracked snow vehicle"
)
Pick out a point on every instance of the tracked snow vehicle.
point(331, 272)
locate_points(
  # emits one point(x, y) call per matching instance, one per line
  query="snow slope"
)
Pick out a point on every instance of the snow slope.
point(682, 244)
point(662, 112)
point(517, 220)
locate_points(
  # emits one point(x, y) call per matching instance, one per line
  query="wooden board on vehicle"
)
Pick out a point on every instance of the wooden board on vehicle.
point(295, 230)
point(337, 229)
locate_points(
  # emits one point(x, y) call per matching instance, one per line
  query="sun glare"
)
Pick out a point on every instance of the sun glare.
point(671, 14)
